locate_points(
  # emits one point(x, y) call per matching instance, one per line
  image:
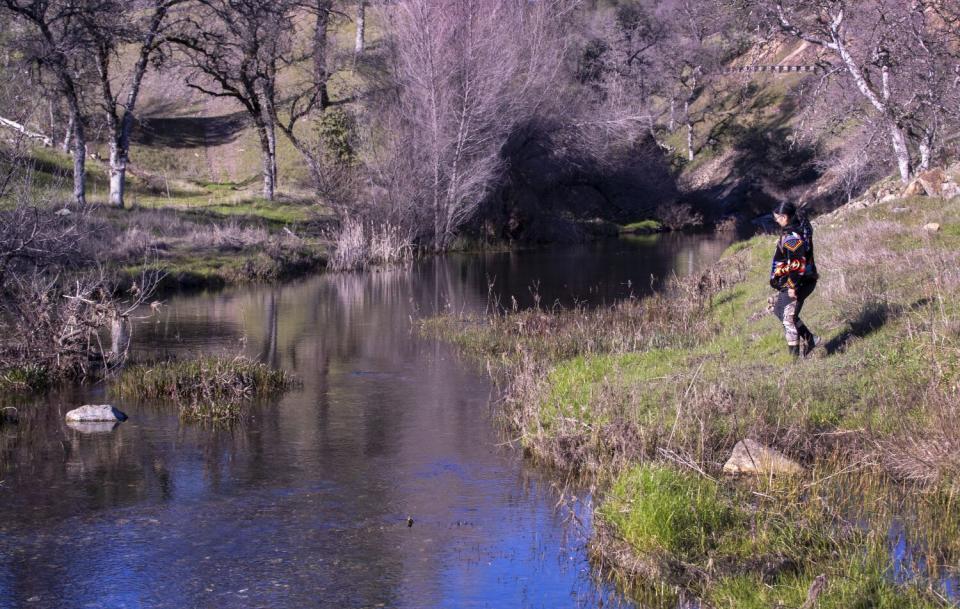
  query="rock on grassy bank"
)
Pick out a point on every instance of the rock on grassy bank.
point(651, 396)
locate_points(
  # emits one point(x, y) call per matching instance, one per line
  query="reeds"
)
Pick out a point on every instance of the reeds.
point(359, 245)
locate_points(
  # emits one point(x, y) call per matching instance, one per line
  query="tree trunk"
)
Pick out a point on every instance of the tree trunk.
point(361, 26)
point(266, 157)
point(118, 172)
point(313, 163)
point(52, 121)
point(320, 73)
point(926, 151)
point(119, 158)
point(79, 162)
point(272, 140)
point(686, 114)
point(119, 338)
point(924, 157)
point(880, 101)
point(22, 129)
point(68, 136)
point(902, 152)
point(121, 127)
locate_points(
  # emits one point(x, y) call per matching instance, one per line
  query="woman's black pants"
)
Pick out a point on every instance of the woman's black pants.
point(788, 310)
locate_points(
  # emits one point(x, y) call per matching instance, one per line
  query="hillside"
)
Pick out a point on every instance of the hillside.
point(650, 397)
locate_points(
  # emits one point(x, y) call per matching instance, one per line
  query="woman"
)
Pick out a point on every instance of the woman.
point(793, 274)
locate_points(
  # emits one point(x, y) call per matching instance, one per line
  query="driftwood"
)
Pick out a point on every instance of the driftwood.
point(6, 122)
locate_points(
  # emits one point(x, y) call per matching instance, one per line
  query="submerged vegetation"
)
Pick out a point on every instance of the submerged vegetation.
point(209, 388)
point(649, 396)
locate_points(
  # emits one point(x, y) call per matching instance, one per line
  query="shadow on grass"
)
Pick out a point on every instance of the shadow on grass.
point(189, 131)
point(871, 318)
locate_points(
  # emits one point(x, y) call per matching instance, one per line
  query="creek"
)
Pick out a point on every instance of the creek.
point(306, 502)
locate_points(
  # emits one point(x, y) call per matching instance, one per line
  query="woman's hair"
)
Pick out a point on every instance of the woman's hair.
point(786, 208)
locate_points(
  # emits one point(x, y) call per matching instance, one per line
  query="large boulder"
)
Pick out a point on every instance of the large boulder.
point(95, 414)
point(933, 181)
point(751, 457)
point(914, 189)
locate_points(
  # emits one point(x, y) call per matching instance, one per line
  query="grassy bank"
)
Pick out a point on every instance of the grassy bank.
point(198, 233)
point(25, 379)
point(651, 396)
point(209, 389)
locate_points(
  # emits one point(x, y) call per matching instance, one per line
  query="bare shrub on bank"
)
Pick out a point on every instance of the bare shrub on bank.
point(58, 309)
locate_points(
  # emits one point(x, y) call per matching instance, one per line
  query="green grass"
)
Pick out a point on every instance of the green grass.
point(643, 226)
point(229, 205)
point(573, 385)
point(25, 379)
point(851, 584)
point(213, 269)
point(657, 509)
point(763, 543)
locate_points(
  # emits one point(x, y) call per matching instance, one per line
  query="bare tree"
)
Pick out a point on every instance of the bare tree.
point(660, 55)
point(234, 48)
point(110, 24)
point(56, 42)
point(900, 56)
point(468, 75)
point(304, 96)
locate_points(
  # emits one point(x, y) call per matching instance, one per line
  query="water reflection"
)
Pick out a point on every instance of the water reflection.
point(305, 504)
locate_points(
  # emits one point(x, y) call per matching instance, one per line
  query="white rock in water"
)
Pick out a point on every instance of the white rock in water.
point(751, 457)
point(94, 414)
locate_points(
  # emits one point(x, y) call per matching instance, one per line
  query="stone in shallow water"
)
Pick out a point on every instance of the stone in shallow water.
point(95, 414)
point(751, 457)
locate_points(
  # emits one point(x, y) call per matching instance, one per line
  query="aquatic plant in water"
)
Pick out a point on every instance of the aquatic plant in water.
point(208, 388)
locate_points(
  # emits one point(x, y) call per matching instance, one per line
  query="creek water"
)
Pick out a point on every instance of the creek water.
point(306, 502)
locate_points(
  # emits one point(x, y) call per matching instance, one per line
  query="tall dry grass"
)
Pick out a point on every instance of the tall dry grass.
point(358, 245)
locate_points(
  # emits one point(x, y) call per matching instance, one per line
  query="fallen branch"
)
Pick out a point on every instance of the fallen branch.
point(6, 122)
